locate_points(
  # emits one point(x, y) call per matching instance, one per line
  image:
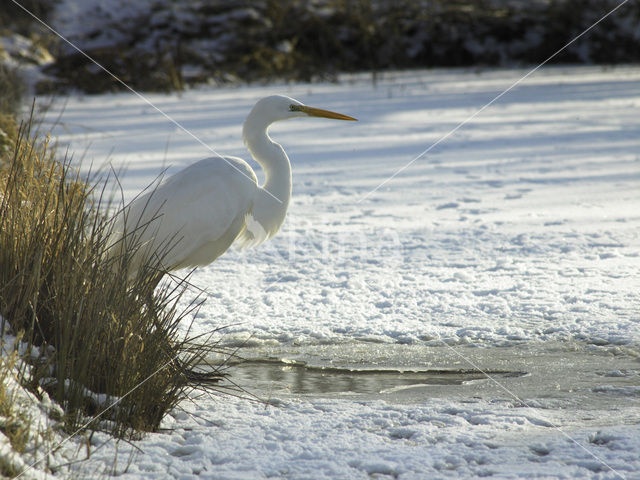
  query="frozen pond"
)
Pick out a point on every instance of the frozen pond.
point(400, 280)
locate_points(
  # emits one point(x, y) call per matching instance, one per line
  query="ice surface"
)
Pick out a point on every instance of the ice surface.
point(521, 226)
point(520, 229)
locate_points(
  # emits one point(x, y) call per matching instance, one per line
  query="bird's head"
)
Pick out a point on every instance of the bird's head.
point(278, 107)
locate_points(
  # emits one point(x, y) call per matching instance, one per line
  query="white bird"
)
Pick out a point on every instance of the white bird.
point(194, 216)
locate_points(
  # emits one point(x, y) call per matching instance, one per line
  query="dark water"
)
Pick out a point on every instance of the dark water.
point(298, 378)
point(543, 375)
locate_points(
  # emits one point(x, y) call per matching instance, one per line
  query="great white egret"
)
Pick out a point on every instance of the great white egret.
point(194, 216)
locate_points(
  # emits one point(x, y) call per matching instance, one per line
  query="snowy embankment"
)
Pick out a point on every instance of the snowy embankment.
point(520, 228)
point(32, 443)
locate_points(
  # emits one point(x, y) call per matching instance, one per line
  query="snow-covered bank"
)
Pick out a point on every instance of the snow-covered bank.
point(33, 442)
point(163, 44)
point(522, 227)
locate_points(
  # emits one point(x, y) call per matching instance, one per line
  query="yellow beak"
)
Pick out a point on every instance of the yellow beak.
point(318, 112)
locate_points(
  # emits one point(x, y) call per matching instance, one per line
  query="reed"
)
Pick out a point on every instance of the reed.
point(102, 341)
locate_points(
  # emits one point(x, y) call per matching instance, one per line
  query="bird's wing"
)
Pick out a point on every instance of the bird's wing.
point(193, 216)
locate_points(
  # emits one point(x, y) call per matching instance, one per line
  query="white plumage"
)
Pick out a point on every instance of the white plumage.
point(194, 216)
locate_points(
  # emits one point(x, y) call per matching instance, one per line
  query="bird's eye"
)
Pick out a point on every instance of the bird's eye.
point(293, 108)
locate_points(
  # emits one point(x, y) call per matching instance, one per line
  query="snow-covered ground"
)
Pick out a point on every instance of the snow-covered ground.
point(518, 233)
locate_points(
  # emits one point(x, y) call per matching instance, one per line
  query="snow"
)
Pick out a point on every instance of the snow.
point(325, 439)
point(45, 448)
point(520, 232)
point(25, 55)
point(86, 20)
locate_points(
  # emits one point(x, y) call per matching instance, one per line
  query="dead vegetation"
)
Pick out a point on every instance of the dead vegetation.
point(101, 340)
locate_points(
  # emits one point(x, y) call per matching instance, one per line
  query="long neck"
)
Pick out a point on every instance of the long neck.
point(270, 206)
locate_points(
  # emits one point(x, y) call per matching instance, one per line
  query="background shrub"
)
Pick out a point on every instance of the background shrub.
point(168, 45)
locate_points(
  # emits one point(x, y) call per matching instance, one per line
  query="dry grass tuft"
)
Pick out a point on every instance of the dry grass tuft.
point(112, 341)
